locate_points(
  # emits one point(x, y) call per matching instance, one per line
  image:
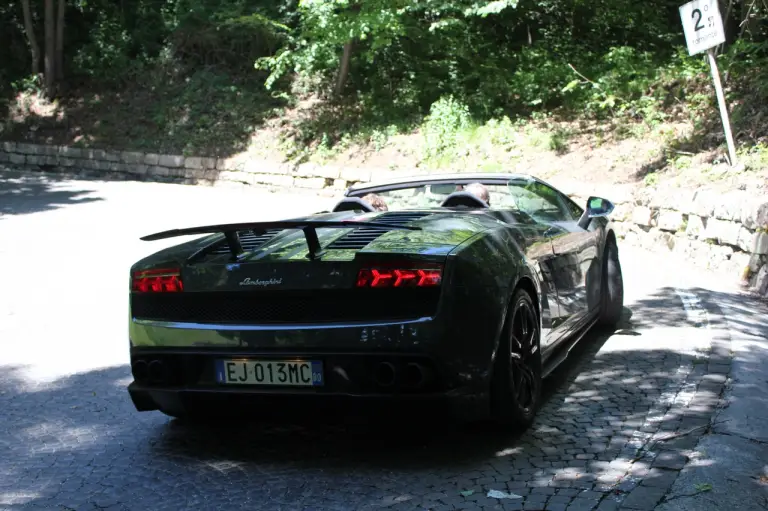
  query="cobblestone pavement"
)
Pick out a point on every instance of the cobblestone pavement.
point(621, 417)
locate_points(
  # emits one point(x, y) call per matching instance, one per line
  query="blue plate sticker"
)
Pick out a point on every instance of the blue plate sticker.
point(220, 371)
point(317, 373)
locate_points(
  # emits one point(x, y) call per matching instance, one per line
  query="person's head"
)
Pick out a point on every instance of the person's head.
point(480, 191)
point(376, 201)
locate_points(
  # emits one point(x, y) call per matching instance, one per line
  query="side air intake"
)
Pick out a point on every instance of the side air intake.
point(360, 238)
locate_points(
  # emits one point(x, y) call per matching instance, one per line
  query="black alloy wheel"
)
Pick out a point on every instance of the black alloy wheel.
point(612, 288)
point(516, 383)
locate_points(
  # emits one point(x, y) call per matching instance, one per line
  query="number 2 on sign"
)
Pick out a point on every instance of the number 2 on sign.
point(696, 14)
point(698, 25)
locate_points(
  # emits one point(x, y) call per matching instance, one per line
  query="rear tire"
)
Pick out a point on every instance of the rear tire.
point(612, 287)
point(516, 380)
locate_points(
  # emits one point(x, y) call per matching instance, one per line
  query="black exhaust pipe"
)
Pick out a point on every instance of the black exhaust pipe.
point(156, 371)
point(140, 370)
point(416, 375)
point(385, 374)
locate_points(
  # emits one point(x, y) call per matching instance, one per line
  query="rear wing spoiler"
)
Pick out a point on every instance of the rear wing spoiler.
point(309, 227)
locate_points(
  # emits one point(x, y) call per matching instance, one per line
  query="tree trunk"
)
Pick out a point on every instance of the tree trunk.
point(730, 25)
point(50, 48)
point(341, 78)
point(30, 31)
point(59, 61)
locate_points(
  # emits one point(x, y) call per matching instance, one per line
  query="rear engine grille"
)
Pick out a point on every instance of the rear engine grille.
point(400, 217)
point(286, 307)
point(360, 238)
point(248, 240)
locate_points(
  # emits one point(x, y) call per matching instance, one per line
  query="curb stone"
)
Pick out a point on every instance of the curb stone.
point(106, 175)
point(716, 380)
point(663, 454)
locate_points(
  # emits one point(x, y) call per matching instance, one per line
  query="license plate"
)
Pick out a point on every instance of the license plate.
point(294, 373)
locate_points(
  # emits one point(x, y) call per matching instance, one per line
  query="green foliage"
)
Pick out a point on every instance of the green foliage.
point(107, 53)
point(651, 179)
point(224, 32)
point(326, 27)
point(624, 75)
point(755, 157)
point(447, 119)
point(464, 71)
point(497, 57)
point(558, 141)
point(203, 112)
point(112, 42)
point(14, 52)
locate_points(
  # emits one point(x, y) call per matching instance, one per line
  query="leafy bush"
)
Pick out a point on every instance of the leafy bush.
point(447, 118)
point(107, 54)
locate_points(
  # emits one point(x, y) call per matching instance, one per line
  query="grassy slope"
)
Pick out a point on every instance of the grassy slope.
point(209, 114)
point(203, 113)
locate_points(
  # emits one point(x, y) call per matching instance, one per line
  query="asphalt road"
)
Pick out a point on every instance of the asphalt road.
point(622, 417)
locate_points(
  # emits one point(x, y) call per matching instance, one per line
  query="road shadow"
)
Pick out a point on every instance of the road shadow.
point(26, 193)
point(78, 442)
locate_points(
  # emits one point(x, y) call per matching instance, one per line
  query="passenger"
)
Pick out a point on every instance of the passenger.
point(376, 201)
point(480, 191)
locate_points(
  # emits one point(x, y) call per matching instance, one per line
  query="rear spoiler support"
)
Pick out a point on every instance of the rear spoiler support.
point(308, 227)
point(313, 243)
point(233, 241)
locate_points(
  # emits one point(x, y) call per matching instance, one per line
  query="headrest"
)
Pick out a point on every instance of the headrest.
point(353, 204)
point(463, 198)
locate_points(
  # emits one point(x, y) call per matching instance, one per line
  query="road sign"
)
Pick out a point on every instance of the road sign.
point(702, 24)
point(703, 27)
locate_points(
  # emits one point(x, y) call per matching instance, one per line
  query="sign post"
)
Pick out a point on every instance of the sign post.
point(703, 28)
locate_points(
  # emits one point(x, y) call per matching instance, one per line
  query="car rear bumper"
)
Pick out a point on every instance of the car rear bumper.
point(186, 380)
point(438, 345)
point(453, 355)
point(272, 404)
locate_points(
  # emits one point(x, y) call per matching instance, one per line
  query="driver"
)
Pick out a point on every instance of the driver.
point(376, 201)
point(480, 191)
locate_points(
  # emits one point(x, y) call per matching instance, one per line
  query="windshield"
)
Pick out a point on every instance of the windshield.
point(432, 196)
point(533, 198)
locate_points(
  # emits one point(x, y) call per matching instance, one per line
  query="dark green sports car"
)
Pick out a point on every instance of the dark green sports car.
point(461, 291)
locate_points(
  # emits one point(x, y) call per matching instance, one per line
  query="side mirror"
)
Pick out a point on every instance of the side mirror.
point(598, 207)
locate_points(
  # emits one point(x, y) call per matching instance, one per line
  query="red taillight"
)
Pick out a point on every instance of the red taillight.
point(399, 277)
point(161, 280)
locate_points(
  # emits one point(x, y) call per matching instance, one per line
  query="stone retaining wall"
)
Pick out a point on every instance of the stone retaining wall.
point(710, 230)
point(726, 233)
point(182, 169)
